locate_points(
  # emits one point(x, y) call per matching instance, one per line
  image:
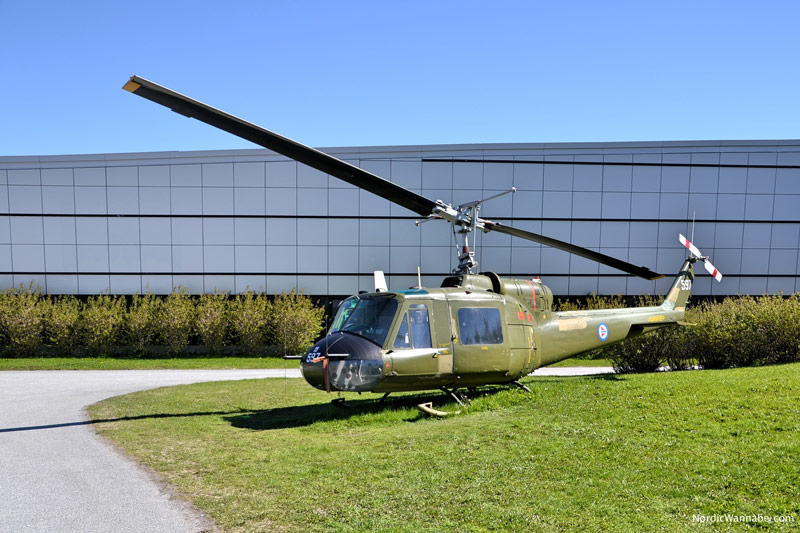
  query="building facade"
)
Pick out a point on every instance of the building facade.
point(233, 220)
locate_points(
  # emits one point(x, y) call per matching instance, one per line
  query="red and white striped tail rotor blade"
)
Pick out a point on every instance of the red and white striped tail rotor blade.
point(706, 263)
point(712, 270)
point(689, 246)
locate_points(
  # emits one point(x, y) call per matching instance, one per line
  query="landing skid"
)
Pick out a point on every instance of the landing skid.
point(460, 398)
point(521, 386)
point(339, 402)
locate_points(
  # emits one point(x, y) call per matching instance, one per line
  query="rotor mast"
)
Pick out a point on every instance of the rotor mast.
point(468, 221)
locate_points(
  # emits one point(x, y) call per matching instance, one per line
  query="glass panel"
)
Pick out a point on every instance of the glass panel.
point(369, 317)
point(420, 327)
point(480, 326)
point(403, 340)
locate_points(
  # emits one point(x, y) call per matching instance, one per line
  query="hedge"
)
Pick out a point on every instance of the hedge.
point(738, 331)
point(147, 325)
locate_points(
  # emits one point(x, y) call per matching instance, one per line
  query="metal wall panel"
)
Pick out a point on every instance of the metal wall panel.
point(235, 219)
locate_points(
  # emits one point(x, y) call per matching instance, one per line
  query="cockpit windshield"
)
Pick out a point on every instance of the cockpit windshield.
point(368, 316)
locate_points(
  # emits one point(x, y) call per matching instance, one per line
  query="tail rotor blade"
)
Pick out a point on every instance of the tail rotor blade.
point(689, 246)
point(706, 263)
point(712, 270)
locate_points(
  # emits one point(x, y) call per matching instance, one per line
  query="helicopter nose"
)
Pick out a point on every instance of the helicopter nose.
point(343, 362)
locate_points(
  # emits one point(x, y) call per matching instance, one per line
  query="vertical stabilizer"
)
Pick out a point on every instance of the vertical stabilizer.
point(681, 289)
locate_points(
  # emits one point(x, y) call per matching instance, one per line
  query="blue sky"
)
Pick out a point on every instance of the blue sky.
point(381, 73)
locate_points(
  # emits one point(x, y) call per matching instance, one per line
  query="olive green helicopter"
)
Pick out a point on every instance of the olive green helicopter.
point(476, 328)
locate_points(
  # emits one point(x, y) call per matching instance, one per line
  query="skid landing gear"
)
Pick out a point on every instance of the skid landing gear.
point(521, 386)
point(339, 402)
point(460, 398)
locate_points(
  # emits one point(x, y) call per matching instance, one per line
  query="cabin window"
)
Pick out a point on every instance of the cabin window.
point(480, 325)
point(415, 329)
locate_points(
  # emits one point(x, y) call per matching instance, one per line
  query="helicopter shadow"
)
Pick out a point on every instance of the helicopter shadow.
point(132, 418)
point(306, 415)
point(561, 379)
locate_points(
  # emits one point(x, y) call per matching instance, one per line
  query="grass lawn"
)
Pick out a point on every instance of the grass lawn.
point(112, 363)
point(633, 453)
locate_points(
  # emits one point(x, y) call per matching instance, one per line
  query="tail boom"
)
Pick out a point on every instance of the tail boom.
point(570, 333)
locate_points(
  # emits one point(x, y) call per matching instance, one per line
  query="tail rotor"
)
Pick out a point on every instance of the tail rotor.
point(696, 252)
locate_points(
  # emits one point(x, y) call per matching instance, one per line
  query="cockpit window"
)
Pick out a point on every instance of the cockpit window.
point(420, 327)
point(403, 339)
point(367, 316)
point(420, 332)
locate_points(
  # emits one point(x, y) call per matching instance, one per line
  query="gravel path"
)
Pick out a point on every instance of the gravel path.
point(572, 371)
point(57, 475)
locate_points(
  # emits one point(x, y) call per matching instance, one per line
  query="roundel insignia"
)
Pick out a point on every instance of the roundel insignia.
point(602, 331)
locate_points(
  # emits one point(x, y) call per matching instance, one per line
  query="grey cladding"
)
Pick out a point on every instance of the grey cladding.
point(233, 220)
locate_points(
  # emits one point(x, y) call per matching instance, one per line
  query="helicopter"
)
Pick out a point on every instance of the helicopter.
point(476, 328)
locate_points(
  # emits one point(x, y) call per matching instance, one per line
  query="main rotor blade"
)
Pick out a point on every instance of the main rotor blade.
point(281, 145)
point(642, 272)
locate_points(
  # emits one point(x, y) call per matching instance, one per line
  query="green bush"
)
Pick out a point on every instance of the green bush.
point(62, 324)
point(639, 354)
point(678, 345)
point(249, 313)
point(747, 331)
point(665, 347)
point(294, 322)
point(176, 321)
point(101, 323)
point(591, 302)
point(21, 320)
point(141, 323)
point(213, 321)
point(739, 331)
point(34, 324)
